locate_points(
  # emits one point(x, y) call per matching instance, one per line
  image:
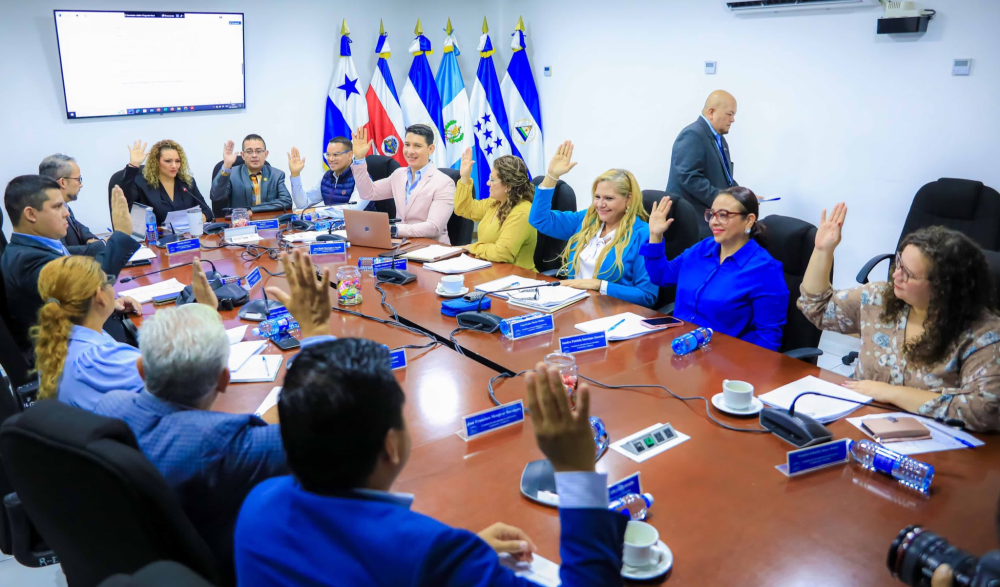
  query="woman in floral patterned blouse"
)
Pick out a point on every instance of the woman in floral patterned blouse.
point(929, 342)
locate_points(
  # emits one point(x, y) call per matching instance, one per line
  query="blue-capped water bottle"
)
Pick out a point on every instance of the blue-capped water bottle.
point(276, 326)
point(150, 226)
point(633, 505)
point(910, 472)
point(695, 339)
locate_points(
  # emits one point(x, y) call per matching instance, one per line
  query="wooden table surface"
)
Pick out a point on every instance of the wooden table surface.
point(728, 516)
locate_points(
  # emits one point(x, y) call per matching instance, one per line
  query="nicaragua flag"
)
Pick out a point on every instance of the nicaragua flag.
point(455, 113)
point(488, 117)
point(346, 110)
point(523, 111)
point(420, 101)
point(385, 125)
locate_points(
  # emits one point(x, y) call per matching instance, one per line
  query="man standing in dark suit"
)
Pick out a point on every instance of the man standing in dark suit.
point(65, 171)
point(40, 218)
point(255, 185)
point(700, 165)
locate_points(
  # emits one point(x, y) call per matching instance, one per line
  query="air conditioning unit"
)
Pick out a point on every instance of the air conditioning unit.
point(751, 6)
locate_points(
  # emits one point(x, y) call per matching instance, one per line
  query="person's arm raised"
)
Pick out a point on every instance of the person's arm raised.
point(828, 235)
point(308, 298)
point(560, 164)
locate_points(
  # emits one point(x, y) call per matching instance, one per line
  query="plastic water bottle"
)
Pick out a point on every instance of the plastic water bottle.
point(633, 505)
point(910, 472)
point(366, 264)
point(276, 326)
point(695, 339)
point(150, 226)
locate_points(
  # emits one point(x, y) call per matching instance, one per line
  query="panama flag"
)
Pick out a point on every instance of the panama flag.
point(385, 126)
point(346, 110)
point(521, 98)
point(455, 113)
point(488, 118)
point(421, 102)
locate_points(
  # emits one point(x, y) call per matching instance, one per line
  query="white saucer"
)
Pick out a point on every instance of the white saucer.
point(442, 293)
point(666, 560)
point(755, 406)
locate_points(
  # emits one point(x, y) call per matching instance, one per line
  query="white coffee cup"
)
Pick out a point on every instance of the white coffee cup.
point(640, 538)
point(737, 394)
point(452, 284)
point(196, 226)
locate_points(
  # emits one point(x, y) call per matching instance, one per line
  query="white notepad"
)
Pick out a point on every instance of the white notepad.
point(431, 252)
point(460, 264)
point(256, 369)
point(146, 293)
point(817, 407)
point(142, 254)
point(269, 402)
point(240, 352)
point(631, 328)
point(236, 334)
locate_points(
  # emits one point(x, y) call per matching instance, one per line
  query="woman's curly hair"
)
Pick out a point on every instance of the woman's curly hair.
point(513, 173)
point(151, 170)
point(961, 291)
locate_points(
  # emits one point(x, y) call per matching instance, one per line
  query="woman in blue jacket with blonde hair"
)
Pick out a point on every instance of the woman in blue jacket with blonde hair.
point(602, 252)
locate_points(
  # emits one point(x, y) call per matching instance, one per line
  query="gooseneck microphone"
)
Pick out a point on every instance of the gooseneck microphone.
point(134, 277)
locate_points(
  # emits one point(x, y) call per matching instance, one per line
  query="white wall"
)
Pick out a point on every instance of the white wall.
point(290, 51)
point(828, 110)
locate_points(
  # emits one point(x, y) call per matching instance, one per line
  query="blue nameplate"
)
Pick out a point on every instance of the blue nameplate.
point(331, 248)
point(812, 458)
point(583, 342)
point(264, 224)
point(253, 278)
point(191, 244)
point(624, 487)
point(397, 359)
point(492, 420)
point(524, 326)
point(387, 263)
point(322, 225)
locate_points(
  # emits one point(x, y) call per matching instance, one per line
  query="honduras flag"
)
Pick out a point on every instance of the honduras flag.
point(385, 126)
point(521, 98)
point(455, 113)
point(488, 117)
point(346, 109)
point(421, 102)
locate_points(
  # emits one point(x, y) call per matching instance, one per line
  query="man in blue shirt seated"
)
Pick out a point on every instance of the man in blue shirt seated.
point(334, 521)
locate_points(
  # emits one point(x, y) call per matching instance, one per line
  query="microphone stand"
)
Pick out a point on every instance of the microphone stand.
point(486, 321)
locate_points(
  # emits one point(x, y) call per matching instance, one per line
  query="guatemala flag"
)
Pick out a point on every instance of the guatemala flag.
point(521, 98)
point(385, 128)
point(455, 113)
point(346, 109)
point(421, 102)
point(488, 117)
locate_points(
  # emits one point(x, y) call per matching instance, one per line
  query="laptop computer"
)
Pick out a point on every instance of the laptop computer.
point(139, 221)
point(368, 229)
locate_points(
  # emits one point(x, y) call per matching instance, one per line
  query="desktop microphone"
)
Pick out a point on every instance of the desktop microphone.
point(485, 321)
point(800, 429)
point(168, 238)
point(302, 224)
point(188, 264)
point(258, 310)
point(393, 275)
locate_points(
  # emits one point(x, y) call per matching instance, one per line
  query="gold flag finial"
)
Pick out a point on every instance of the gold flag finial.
point(381, 28)
point(420, 29)
point(448, 29)
point(486, 27)
point(520, 24)
point(343, 28)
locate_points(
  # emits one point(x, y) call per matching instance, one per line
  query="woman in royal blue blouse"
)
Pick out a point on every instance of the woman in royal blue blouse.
point(728, 283)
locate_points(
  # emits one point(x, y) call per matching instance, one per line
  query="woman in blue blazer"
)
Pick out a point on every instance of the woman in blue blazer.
point(604, 240)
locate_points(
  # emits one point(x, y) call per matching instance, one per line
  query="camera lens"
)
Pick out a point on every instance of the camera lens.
point(916, 553)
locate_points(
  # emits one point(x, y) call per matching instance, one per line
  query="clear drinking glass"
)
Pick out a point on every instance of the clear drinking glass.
point(566, 364)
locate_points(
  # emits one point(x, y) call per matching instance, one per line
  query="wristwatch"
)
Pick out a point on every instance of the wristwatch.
point(393, 231)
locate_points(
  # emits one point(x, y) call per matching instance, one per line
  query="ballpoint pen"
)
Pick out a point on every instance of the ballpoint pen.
point(617, 324)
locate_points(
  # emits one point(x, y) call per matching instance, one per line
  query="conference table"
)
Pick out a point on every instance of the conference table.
point(725, 512)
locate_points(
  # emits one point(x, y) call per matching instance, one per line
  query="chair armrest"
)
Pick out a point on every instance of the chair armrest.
point(29, 548)
point(862, 277)
point(804, 353)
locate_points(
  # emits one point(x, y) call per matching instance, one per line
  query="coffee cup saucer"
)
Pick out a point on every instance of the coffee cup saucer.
point(665, 560)
point(754, 408)
point(440, 291)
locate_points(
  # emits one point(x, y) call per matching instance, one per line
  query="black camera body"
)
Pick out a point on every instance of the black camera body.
point(916, 553)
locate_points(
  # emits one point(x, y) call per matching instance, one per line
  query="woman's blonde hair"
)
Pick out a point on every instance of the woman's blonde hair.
point(513, 173)
point(67, 286)
point(151, 170)
point(625, 184)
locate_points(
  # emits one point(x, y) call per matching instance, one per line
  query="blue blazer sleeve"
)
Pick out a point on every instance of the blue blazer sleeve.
point(554, 223)
point(770, 308)
point(634, 286)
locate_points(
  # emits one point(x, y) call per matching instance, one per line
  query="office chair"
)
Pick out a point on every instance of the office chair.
point(381, 167)
point(459, 229)
point(116, 179)
point(15, 364)
point(217, 207)
point(681, 235)
point(548, 249)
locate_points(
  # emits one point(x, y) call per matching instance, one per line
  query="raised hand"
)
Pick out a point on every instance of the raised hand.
point(465, 168)
point(828, 233)
point(562, 162)
point(658, 221)
point(361, 143)
point(203, 292)
point(228, 157)
point(121, 219)
point(563, 435)
point(136, 154)
point(308, 298)
point(295, 162)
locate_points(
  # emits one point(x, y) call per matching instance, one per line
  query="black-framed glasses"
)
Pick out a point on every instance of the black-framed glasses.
point(722, 214)
point(337, 154)
point(906, 275)
point(258, 152)
point(78, 178)
point(524, 294)
point(110, 279)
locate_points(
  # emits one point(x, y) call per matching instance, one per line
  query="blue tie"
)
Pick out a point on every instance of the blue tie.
point(725, 160)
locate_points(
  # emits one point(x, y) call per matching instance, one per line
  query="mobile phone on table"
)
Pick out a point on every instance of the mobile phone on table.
point(664, 322)
point(164, 299)
point(286, 342)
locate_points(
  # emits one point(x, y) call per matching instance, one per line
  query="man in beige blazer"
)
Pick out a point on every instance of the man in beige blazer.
point(425, 197)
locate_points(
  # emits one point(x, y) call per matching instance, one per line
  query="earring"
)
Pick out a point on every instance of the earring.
point(747, 231)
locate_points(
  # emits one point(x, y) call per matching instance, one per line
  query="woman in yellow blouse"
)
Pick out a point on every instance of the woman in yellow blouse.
point(504, 233)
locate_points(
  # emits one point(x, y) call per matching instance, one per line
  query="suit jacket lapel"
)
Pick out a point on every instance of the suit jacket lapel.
point(715, 146)
point(247, 191)
point(425, 178)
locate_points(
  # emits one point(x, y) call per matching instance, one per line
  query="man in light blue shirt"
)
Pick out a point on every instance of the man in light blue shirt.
point(336, 187)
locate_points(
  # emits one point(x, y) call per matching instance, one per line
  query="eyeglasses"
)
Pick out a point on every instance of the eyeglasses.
point(524, 294)
point(904, 272)
point(722, 214)
point(257, 152)
point(79, 178)
point(337, 154)
point(109, 279)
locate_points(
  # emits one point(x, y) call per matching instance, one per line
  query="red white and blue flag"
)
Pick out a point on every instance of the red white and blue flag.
point(346, 110)
point(385, 117)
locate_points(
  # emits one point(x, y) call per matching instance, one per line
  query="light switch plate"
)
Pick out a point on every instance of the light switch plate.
point(548, 71)
point(710, 67)
point(961, 67)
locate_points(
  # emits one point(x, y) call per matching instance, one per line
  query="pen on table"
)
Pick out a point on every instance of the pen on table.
point(617, 324)
point(509, 285)
point(947, 432)
point(267, 368)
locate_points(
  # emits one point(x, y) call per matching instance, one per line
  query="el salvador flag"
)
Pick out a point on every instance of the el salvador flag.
point(420, 101)
point(346, 109)
point(523, 111)
point(455, 113)
point(488, 118)
point(385, 127)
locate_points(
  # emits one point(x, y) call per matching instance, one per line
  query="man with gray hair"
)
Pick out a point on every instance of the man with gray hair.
point(79, 240)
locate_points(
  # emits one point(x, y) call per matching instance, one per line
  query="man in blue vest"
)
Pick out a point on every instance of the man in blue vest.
point(336, 187)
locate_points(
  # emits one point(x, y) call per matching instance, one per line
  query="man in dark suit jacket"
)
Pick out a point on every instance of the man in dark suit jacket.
point(255, 184)
point(40, 218)
point(700, 165)
point(66, 172)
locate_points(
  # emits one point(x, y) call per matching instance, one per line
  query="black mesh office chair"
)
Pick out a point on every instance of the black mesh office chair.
point(116, 179)
point(159, 574)
point(17, 367)
point(681, 235)
point(548, 249)
point(459, 229)
point(218, 207)
point(381, 167)
point(122, 517)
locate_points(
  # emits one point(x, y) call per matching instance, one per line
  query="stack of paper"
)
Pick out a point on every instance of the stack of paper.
point(142, 254)
point(241, 352)
point(550, 299)
point(176, 220)
point(631, 327)
point(942, 437)
point(256, 369)
point(309, 236)
point(432, 253)
point(269, 402)
point(820, 408)
point(460, 264)
point(146, 293)
point(236, 334)
point(511, 281)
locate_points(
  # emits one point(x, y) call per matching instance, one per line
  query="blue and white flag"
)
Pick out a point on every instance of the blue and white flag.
point(488, 118)
point(420, 100)
point(455, 113)
point(346, 108)
point(520, 95)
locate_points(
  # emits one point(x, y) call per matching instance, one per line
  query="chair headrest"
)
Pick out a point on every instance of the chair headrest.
point(790, 241)
point(70, 426)
point(950, 198)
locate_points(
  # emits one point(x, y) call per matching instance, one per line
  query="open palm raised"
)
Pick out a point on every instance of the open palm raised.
point(829, 232)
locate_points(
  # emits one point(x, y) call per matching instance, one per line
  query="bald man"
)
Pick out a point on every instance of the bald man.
point(700, 165)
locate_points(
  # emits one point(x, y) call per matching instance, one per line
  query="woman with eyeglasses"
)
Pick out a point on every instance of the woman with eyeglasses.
point(930, 342)
point(602, 252)
point(728, 283)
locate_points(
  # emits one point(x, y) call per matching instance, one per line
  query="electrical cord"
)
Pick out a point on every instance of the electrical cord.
point(385, 304)
point(411, 329)
point(458, 347)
